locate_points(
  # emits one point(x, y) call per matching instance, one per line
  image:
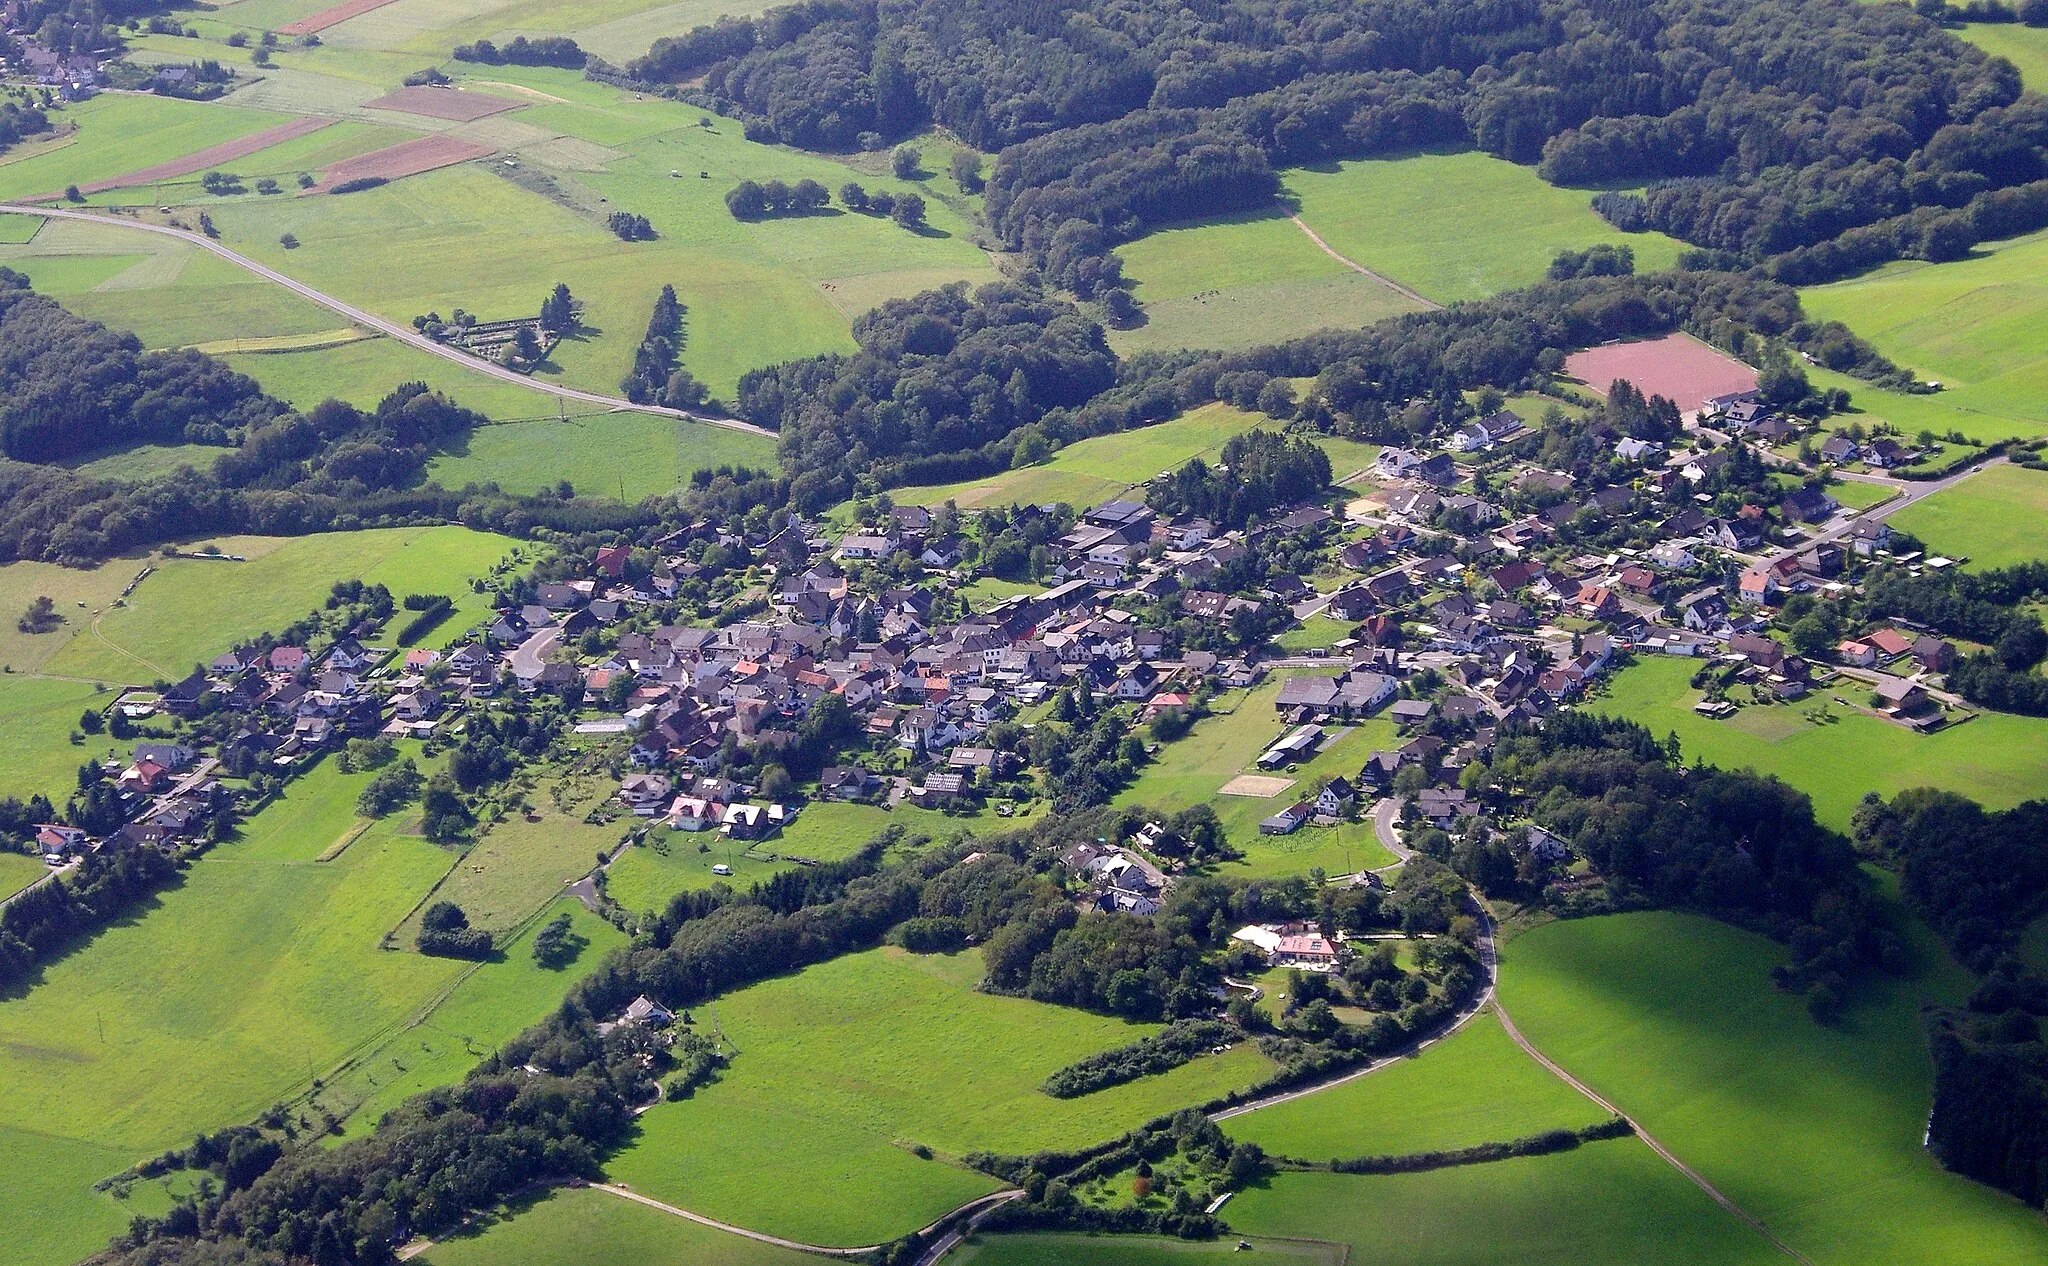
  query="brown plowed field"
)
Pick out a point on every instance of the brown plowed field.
point(409, 158)
point(1677, 367)
point(204, 160)
point(443, 103)
point(330, 17)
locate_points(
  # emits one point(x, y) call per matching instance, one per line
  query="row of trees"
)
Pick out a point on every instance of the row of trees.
point(760, 200)
point(657, 376)
point(545, 50)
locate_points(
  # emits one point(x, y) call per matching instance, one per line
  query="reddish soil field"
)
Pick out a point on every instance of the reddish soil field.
point(204, 160)
point(330, 17)
point(409, 158)
point(1678, 367)
point(444, 103)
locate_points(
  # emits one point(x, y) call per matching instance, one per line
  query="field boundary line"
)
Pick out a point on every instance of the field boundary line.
point(403, 333)
point(1698, 1180)
point(1357, 267)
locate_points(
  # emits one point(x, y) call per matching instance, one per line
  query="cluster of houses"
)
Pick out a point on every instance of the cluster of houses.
point(73, 75)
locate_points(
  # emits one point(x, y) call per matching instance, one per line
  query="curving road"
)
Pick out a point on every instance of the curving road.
point(391, 329)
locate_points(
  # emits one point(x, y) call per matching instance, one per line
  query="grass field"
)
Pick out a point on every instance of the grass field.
point(1994, 517)
point(228, 992)
point(1098, 469)
point(1973, 325)
point(601, 455)
point(18, 871)
point(188, 611)
point(1234, 281)
point(145, 461)
point(492, 1004)
point(831, 830)
point(16, 229)
point(1054, 1249)
point(1191, 769)
point(644, 879)
point(1613, 1202)
point(1457, 225)
point(2024, 46)
point(1815, 1130)
point(1474, 1087)
point(37, 718)
point(1997, 759)
point(121, 132)
point(843, 1066)
point(521, 864)
point(594, 1228)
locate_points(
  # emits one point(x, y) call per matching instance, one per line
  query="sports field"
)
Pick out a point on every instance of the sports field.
point(1191, 770)
point(1815, 1130)
point(594, 1228)
point(1998, 759)
point(1238, 280)
point(1973, 325)
point(190, 610)
point(843, 1067)
point(1994, 516)
point(1678, 367)
point(228, 992)
point(1475, 1086)
point(1100, 468)
point(1457, 225)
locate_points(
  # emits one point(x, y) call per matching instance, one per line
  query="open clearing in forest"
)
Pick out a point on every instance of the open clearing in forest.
point(190, 610)
point(1995, 517)
point(1998, 759)
point(842, 1067)
point(227, 992)
point(1814, 1129)
point(1474, 1087)
point(1973, 325)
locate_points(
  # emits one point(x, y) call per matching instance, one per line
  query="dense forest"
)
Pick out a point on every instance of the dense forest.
point(1979, 879)
point(1764, 127)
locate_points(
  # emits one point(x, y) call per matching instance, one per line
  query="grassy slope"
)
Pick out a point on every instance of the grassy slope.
point(644, 879)
point(1994, 517)
point(519, 865)
point(844, 1065)
point(649, 454)
point(190, 611)
point(1191, 769)
point(2024, 46)
point(1613, 1202)
point(1814, 1130)
point(1475, 1087)
point(120, 132)
point(1997, 759)
point(1457, 225)
point(1049, 1249)
point(37, 718)
point(227, 993)
point(1098, 469)
point(593, 1228)
point(18, 871)
point(1974, 325)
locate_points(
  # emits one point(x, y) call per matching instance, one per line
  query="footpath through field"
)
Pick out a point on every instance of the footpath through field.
point(1357, 267)
point(403, 333)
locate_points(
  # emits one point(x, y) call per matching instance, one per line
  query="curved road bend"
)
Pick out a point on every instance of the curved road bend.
point(403, 333)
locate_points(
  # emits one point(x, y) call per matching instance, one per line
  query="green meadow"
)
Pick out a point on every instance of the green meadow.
point(490, 1005)
point(282, 162)
point(829, 830)
point(17, 229)
point(587, 1227)
point(18, 871)
point(1473, 1087)
point(1813, 1129)
point(1056, 1249)
point(1192, 769)
point(2024, 46)
point(522, 862)
point(843, 1067)
point(1998, 759)
point(1613, 1202)
point(605, 454)
point(1457, 225)
point(123, 132)
point(645, 877)
point(1994, 517)
point(38, 715)
point(190, 610)
point(144, 461)
point(1236, 280)
point(228, 992)
point(1101, 467)
point(1973, 325)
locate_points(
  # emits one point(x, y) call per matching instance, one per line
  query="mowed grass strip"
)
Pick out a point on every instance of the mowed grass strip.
point(1973, 325)
point(190, 610)
point(1997, 759)
point(1613, 1202)
point(1475, 1086)
point(1457, 225)
point(843, 1066)
point(1995, 517)
point(595, 1228)
point(1814, 1129)
point(122, 132)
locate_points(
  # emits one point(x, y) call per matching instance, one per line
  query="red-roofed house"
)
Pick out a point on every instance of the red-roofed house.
point(1890, 643)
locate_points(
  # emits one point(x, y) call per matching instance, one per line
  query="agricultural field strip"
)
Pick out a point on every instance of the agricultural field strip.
point(227, 152)
point(1357, 267)
point(404, 334)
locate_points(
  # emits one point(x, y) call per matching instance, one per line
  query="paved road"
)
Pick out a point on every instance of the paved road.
point(403, 333)
point(1909, 492)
